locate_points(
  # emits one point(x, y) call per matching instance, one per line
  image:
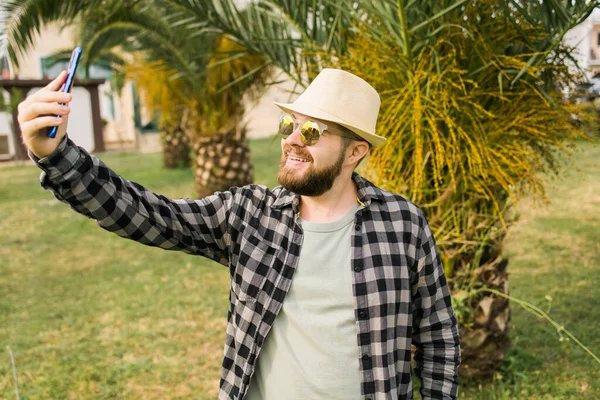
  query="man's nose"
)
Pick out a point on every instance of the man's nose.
point(295, 139)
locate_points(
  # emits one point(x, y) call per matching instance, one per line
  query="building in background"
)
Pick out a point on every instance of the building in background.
point(586, 39)
point(117, 109)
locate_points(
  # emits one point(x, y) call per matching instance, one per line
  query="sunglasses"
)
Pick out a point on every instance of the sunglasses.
point(310, 131)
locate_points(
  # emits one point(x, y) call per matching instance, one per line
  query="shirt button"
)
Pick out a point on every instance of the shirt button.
point(365, 357)
point(357, 268)
point(357, 228)
point(363, 314)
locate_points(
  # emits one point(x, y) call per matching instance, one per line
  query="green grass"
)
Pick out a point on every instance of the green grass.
point(90, 315)
point(555, 251)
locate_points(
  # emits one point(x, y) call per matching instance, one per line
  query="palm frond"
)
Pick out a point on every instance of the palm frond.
point(24, 20)
point(470, 126)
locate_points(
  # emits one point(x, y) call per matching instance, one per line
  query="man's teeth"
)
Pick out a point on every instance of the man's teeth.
point(297, 159)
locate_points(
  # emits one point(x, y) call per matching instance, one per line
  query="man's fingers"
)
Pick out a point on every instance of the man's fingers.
point(40, 109)
point(50, 97)
point(36, 124)
point(44, 96)
point(57, 82)
point(49, 93)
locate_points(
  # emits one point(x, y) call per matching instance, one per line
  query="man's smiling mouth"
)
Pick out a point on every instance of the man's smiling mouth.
point(296, 159)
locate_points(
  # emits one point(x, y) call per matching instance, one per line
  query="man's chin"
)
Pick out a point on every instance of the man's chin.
point(288, 180)
point(295, 171)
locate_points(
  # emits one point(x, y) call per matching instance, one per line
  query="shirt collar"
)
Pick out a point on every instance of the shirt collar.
point(367, 192)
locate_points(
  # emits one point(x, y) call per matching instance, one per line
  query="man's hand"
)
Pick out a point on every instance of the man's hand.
point(39, 111)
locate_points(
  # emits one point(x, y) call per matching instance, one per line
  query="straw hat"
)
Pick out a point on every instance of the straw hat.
point(341, 97)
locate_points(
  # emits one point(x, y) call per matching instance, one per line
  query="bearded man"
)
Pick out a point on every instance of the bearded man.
point(332, 278)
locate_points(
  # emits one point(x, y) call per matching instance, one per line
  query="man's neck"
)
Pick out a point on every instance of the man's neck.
point(331, 205)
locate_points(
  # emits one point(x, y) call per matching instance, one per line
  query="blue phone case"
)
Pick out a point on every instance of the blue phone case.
point(75, 56)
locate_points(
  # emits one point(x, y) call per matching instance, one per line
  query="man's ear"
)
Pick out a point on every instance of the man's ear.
point(359, 151)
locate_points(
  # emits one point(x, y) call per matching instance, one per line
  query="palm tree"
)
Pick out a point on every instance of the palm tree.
point(209, 76)
point(223, 159)
point(166, 68)
point(471, 104)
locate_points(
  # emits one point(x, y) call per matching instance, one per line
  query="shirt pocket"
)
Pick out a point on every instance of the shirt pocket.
point(252, 266)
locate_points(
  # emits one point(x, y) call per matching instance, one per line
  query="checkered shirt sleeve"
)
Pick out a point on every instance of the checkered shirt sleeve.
point(89, 187)
point(435, 333)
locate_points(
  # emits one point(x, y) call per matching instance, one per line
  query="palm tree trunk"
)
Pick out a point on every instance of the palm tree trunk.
point(483, 345)
point(222, 161)
point(176, 147)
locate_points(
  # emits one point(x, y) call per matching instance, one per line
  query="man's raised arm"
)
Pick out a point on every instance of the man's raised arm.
point(120, 206)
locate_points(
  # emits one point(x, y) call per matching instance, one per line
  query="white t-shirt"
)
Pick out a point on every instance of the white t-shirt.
point(311, 351)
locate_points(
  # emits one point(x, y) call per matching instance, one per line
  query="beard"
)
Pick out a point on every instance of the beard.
point(314, 182)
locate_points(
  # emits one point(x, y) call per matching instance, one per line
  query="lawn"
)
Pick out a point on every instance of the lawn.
point(90, 315)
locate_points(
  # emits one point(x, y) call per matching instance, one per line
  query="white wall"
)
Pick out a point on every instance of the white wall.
point(582, 37)
point(5, 130)
point(5, 127)
point(579, 37)
point(120, 130)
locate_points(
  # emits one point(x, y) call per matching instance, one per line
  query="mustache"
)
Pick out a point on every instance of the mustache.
point(288, 149)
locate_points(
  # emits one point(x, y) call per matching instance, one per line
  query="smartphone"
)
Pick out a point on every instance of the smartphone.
point(75, 57)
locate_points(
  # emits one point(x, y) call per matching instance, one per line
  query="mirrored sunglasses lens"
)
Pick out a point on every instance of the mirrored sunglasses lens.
point(310, 133)
point(286, 125)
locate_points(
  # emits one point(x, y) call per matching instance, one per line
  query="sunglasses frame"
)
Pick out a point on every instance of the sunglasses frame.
point(307, 141)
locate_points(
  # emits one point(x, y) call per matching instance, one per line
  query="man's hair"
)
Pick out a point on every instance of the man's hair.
point(348, 137)
point(347, 134)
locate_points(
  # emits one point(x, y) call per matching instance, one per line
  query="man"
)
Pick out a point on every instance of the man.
point(332, 278)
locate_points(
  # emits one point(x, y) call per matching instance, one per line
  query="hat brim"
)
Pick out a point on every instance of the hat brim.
point(314, 112)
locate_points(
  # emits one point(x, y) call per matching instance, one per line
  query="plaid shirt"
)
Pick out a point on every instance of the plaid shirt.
point(400, 292)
